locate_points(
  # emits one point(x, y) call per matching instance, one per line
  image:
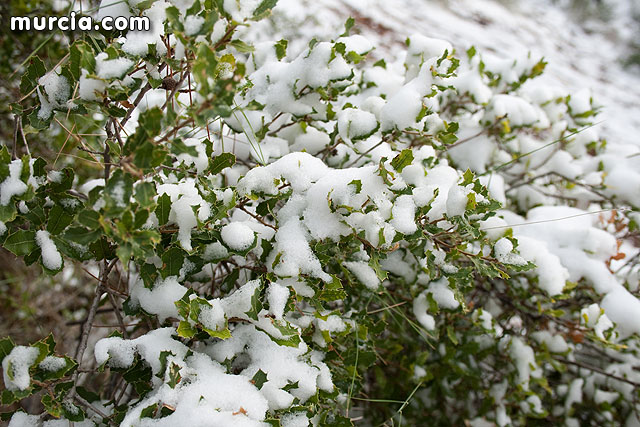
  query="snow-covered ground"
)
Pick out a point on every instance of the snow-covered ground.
point(583, 54)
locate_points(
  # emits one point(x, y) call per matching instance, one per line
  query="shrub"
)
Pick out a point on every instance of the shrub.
point(286, 239)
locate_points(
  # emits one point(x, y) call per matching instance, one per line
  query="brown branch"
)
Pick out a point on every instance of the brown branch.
point(597, 370)
point(257, 218)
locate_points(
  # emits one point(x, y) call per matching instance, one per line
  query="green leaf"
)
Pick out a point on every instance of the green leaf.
point(163, 209)
point(332, 291)
point(144, 194)
point(374, 263)
point(172, 261)
point(256, 304)
point(8, 212)
point(402, 160)
point(35, 70)
point(148, 156)
point(259, 379)
point(264, 9)
point(90, 219)
point(6, 345)
point(241, 46)
point(117, 193)
point(357, 184)
point(174, 375)
point(223, 334)
point(451, 333)
point(281, 48)
point(185, 330)
point(58, 220)
point(149, 411)
point(471, 52)
point(347, 26)
point(72, 412)
point(223, 161)
point(21, 243)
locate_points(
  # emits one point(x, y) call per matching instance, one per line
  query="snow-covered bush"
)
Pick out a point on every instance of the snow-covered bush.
point(315, 238)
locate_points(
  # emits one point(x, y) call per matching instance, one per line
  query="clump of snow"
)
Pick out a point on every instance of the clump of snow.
point(420, 308)
point(137, 42)
point(12, 184)
point(88, 87)
point(295, 419)
point(183, 196)
point(237, 236)
point(213, 317)
point(442, 294)
point(356, 124)
point(503, 251)
point(52, 363)
point(594, 317)
point(214, 251)
point(277, 296)
point(111, 68)
point(554, 342)
point(364, 273)
point(15, 367)
point(20, 419)
point(51, 258)
point(524, 358)
point(56, 87)
point(160, 299)
point(404, 212)
point(193, 24)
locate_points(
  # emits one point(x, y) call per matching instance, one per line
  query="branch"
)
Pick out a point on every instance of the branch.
point(597, 370)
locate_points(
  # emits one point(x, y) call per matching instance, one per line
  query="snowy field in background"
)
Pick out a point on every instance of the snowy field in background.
point(586, 56)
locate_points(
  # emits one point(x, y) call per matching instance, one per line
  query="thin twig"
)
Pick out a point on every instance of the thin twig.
point(597, 370)
point(14, 150)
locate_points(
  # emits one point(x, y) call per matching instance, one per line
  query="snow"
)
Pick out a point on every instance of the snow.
point(215, 251)
point(237, 236)
point(328, 195)
point(364, 273)
point(574, 394)
point(118, 353)
point(456, 201)
point(137, 42)
point(356, 124)
point(442, 294)
point(111, 68)
point(524, 358)
point(404, 212)
point(52, 363)
point(213, 317)
point(240, 9)
point(554, 343)
point(623, 308)
point(112, 8)
point(183, 196)
point(160, 299)
point(294, 419)
point(420, 308)
point(283, 365)
point(20, 419)
point(12, 185)
point(277, 296)
point(56, 87)
point(503, 251)
point(51, 258)
point(15, 367)
point(201, 162)
point(193, 24)
point(312, 141)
